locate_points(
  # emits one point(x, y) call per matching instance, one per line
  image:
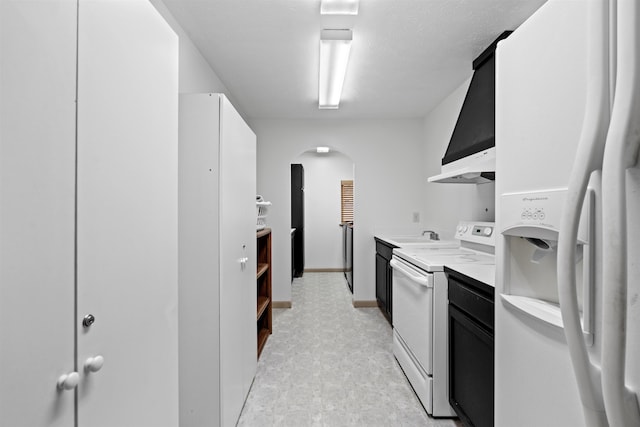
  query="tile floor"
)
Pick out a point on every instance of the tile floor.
point(329, 364)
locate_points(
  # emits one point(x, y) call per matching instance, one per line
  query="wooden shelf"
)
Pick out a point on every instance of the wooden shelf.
point(263, 288)
point(263, 334)
point(263, 232)
point(262, 268)
point(263, 303)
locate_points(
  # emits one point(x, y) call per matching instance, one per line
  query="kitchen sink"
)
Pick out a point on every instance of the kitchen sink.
point(411, 239)
point(417, 240)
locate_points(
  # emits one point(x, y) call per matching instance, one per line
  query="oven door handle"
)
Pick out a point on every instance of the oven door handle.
point(422, 280)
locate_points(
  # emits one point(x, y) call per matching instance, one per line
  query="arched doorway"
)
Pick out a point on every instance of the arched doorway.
point(318, 218)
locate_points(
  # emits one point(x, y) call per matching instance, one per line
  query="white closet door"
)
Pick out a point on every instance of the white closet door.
point(238, 279)
point(127, 214)
point(37, 173)
point(199, 240)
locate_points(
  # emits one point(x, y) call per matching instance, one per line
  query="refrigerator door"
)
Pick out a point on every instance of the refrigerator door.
point(588, 161)
point(540, 97)
point(621, 314)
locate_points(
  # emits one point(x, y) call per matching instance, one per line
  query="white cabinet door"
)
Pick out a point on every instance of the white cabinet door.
point(199, 249)
point(238, 352)
point(37, 175)
point(127, 214)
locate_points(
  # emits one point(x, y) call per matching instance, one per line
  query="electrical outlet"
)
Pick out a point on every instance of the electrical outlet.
point(416, 217)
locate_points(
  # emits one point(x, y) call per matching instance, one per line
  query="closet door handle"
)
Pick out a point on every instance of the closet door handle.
point(68, 381)
point(93, 364)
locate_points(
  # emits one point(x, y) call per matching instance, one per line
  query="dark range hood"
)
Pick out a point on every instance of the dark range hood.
point(470, 156)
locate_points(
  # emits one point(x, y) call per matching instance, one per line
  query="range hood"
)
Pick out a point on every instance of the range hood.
point(470, 157)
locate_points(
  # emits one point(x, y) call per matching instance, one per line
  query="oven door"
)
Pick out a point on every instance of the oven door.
point(413, 311)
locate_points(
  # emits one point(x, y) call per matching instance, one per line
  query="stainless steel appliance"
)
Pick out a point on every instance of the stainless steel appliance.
point(347, 253)
point(348, 268)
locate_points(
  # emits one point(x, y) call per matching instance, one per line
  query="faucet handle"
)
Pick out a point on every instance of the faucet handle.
point(432, 234)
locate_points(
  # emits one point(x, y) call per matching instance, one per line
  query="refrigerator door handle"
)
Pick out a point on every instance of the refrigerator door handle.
point(588, 159)
point(578, 334)
point(588, 272)
point(621, 153)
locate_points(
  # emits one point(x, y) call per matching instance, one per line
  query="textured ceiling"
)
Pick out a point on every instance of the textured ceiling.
point(407, 55)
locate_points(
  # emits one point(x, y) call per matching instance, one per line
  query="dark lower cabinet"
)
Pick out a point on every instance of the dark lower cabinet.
point(471, 349)
point(384, 277)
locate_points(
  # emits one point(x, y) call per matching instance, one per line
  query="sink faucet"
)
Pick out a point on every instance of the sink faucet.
point(432, 234)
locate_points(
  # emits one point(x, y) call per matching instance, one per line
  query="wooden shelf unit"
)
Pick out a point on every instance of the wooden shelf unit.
point(263, 288)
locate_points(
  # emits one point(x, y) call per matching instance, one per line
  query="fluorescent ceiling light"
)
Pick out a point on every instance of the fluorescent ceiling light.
point(334, 56)
point(322, 149)
point(339, 7)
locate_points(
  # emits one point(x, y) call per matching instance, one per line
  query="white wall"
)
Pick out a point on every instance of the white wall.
point(323, 235)
point(195, 73)
point(392, 158)
point(446, 204)
point(389, 180)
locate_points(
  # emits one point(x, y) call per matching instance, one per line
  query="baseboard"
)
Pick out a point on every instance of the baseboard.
point(324, 270)
point(364, 304)
point(281, 304)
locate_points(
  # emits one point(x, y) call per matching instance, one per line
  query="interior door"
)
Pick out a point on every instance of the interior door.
point(37, 175)
point(127, 215)
point(238, 334)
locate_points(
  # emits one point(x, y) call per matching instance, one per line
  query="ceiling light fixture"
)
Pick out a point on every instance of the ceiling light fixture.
point(339, 7)
point(322, 149)
point(335, 46)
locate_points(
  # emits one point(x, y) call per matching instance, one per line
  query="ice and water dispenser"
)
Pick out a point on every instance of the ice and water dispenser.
point(530, 223)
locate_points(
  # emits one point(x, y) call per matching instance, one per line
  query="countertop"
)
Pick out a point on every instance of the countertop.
point(484, 273)
point(415, 240)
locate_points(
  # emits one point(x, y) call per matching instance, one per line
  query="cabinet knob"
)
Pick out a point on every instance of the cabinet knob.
point(93, 364)
point(88, 320)
point(68, 381)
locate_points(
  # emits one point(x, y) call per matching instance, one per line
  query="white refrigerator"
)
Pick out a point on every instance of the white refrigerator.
point(568, 199)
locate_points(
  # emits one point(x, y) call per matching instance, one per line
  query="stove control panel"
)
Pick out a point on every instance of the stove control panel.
point(481, 230)
point(477, 232)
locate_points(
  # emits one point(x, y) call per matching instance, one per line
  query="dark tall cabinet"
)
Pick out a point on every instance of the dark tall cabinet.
point(297, 218)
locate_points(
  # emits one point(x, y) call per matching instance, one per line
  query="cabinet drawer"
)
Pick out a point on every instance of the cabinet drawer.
point(472, 302)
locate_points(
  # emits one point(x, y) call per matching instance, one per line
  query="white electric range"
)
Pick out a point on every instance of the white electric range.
point(420, 308)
